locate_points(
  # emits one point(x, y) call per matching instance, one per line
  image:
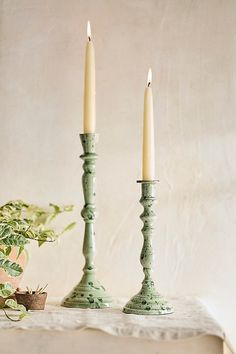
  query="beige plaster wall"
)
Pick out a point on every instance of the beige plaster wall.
point(190, 44)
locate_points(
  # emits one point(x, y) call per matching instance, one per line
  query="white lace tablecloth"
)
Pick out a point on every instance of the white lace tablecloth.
point(190, 319)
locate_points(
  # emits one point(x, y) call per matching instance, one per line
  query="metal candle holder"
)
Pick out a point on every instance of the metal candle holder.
point(89, 293)
point(148, 301)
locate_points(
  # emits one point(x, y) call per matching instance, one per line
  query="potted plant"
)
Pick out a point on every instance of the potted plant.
point(21, 223)
point(32, 299)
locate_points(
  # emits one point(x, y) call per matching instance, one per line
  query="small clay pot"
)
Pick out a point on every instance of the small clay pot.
point(31, 301)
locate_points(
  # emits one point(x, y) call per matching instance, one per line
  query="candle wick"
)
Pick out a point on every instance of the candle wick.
point(149, 84)
point(89, 38)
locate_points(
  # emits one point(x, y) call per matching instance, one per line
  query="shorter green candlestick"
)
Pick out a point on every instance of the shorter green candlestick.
point(148, 301)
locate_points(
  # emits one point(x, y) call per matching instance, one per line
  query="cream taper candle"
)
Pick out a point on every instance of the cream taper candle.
point(148, 133)
point(89, 86)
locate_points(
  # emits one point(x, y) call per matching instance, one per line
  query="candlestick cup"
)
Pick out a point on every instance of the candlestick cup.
point(148, 301)
point(89, 293)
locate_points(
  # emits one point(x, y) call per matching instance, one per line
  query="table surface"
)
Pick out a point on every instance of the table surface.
point(190, 319)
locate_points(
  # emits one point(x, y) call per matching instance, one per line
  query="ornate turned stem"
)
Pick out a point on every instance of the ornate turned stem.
point(89, 211)
point(148, 217)
point(147, 301)
point(89, 293)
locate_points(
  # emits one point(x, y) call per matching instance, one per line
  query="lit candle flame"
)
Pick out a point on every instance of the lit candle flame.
point(89, 30)
point(149, 78)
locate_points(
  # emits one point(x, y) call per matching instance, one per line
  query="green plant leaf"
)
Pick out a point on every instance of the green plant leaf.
point(69, 227)
point(46, 236)
point(56, 208)
point(11, 268)
point(21, 249)
point(5, 230)
point(8, 250)
point(68, 208)
point(14, 240)
point(6, 290)
point(41, 242)
point(12, 304)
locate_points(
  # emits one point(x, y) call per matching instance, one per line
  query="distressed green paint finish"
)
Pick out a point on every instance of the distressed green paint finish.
point(147, 301)
point(89, 293)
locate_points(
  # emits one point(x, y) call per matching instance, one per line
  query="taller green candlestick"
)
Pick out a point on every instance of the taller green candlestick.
point(89, 293)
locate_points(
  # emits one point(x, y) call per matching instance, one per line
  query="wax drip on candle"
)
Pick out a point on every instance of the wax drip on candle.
point(89, 31)
point(149, 78)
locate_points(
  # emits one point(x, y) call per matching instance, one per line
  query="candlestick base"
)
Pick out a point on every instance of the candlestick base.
point(147, 302)
point(89, 293)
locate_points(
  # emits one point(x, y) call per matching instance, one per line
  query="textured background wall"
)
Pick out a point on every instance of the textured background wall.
point(190, 45)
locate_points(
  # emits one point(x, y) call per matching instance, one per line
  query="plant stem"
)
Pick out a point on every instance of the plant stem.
point(10, 318)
